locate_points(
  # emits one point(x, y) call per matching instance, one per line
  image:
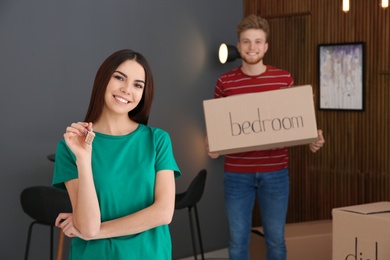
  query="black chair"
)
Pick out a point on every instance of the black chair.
point(189, 199)
point(43, 204)
point(52, 157)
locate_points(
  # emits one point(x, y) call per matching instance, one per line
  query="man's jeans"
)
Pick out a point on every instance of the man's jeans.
point(272, 191)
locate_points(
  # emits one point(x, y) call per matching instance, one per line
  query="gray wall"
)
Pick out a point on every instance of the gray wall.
point(50, 51)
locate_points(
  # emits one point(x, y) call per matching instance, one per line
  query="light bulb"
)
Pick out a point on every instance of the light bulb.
point(223, 53)
point(345, 5)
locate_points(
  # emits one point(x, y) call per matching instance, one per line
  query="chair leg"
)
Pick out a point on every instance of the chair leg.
point(60, 246)
point(28, 240)
point(192, 233)
point(51, 242)
point(199, 234)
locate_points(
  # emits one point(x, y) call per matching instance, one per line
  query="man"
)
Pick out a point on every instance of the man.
point(256, 173)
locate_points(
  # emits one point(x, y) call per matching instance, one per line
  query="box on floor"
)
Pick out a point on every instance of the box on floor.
point(304, 241)
point(259, 121)
point(362, 232)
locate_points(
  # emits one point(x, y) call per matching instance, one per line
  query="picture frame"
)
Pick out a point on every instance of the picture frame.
point(341, 76)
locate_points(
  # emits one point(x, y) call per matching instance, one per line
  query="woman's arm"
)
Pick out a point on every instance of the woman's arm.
point(159, 213)
point(82, 193)
point(86, 210)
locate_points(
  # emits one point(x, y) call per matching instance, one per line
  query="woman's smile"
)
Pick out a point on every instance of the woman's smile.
point(121, 100)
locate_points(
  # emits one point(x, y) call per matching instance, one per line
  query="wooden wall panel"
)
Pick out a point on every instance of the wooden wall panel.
point(354, 165)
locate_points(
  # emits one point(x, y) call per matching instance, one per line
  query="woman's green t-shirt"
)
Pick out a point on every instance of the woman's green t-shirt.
point(124, 171)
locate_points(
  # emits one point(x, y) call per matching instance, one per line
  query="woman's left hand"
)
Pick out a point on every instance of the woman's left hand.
point(65, 222)
point(315, 146)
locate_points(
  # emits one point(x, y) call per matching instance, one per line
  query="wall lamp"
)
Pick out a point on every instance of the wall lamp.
point(384, 4)
point(227, 53)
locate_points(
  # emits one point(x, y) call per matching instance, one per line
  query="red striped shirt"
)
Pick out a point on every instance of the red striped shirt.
point(235, 82)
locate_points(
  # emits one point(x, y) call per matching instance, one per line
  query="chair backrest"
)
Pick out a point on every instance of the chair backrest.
point(52, 157)
point(44, 203)
point(194, 192)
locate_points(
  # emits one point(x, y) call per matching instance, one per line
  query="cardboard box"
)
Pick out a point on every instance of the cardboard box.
point(304, 241)
point(259, 121)
point(362, 232)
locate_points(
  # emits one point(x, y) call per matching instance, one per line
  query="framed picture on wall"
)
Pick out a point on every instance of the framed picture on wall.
point(341, 76)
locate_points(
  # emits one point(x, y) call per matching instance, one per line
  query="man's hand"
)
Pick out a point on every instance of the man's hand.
point(315, 146)
point(212, 155)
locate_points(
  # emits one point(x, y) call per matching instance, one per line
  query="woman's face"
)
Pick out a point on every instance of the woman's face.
point(125, 88)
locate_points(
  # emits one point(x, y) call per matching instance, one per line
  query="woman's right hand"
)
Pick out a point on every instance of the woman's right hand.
point(75, 138)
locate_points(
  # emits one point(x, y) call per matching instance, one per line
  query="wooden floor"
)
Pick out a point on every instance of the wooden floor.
point(221, 254)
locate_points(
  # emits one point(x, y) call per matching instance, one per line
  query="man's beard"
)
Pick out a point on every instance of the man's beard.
point(253, 61)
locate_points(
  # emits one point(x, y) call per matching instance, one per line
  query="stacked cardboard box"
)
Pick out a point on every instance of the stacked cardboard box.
point(304, 241)
point(362, 232)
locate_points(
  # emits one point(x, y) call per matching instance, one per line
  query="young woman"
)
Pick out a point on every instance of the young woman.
point(121, 182)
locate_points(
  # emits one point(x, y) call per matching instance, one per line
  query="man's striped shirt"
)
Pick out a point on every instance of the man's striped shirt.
point(235, 82)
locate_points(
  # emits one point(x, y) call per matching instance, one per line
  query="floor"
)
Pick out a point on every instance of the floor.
point(221, 254)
